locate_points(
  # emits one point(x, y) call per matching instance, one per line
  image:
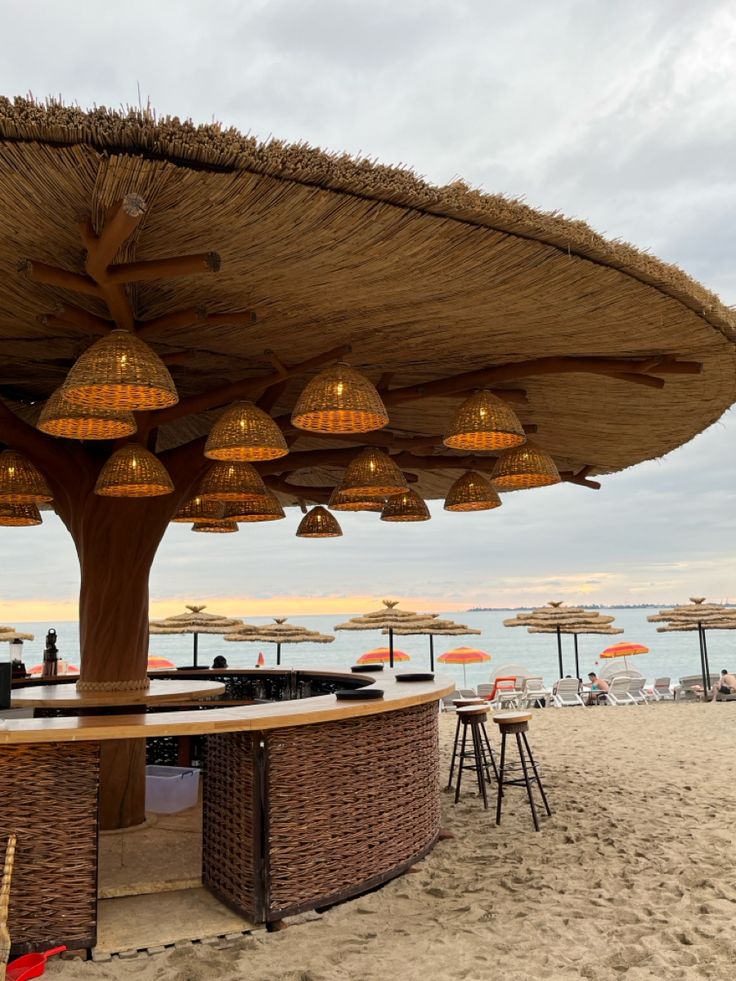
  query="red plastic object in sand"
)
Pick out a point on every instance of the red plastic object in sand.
point(29, 965)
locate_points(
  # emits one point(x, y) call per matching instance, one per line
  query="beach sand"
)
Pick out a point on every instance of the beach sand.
point(632, 877)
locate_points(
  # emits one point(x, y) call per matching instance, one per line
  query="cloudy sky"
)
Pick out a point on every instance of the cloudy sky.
point(623, 114)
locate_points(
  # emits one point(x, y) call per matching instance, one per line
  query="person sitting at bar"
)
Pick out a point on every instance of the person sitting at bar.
point(598, 687)
point(726, 684)
point(219, 662)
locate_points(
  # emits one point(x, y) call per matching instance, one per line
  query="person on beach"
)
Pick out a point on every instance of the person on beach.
point(598, 687)
point(726, 685)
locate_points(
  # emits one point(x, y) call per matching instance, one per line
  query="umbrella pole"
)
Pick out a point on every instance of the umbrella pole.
point(391, 646)
point(465, 677)
point(195, 647)
point(701, 642)
point(559, 650)
point(278, 653)
point(706, 660)
point(577, 662)
point(431, 652)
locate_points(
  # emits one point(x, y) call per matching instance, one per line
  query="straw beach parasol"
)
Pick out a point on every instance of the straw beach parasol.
point(279, 632)
point(701, 616)
point(387, 619)
point(436, 628)
point(556, 618)
point(195, 622)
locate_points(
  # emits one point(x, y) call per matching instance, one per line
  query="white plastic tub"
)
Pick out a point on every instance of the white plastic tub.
point(170, 789)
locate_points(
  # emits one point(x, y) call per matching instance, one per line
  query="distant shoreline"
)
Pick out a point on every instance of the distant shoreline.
point(584, 606)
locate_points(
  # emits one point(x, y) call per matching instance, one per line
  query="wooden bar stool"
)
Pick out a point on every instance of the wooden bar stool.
point(473, 718)
point(460, 703)
point(517, 724)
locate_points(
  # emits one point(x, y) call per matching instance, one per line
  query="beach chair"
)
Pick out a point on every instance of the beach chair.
point(691, 687)
point(466, 693)
point(636, 691)
point(533, 694)
point(566, 692)
point(660, 691)
point(618, 693)
point(485, 690)
point(505, 694)
point(446, 702)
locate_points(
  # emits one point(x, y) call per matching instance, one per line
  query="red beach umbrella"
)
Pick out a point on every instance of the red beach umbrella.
point(381, 655)
point(261, 662)
point(464, 656)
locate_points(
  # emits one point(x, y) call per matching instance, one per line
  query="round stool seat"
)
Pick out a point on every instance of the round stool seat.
point(466, 712)
point(511, 718)
point(462, 702)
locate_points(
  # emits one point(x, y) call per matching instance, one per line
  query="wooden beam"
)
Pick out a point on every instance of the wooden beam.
point(195, 317)
point(53, 276)
point(580, 478)
point(271, 396)
point(245, 388)
point(71, 316)
point(120, 223)
point(146, 270)
point(648, 381)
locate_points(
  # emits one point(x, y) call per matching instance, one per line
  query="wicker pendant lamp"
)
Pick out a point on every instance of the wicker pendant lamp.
point(20, 481)
point(195, 510)
point(121, 372)
point(319, 523)
point(245, 432)
point(19, 515)
point(216, 526)
point(524, 467)
point(372, 474)
point(408, 506)
point(484, 422)
point(472, 492)
point(232, 482)
point(340, 400)
point(266, 508)
point(133, 471)
point(60, 417)
point(339, 502)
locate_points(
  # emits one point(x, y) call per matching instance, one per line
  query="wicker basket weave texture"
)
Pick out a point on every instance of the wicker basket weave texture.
point(120, 371)
point(244, 432)
point(484, 422)
point(339, 400)
point(523, 467)
point(263, 509)
point(19, 515)
point(133, 471)
point(349, 801)
point(339, 502)
point(232, 482)
point(372, 474)
point(20, 481)
point(472, 492)
point(60, 417)
point(408, 506)
point(48, 794)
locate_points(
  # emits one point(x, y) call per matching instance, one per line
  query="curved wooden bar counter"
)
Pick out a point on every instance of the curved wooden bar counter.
point(305, 802)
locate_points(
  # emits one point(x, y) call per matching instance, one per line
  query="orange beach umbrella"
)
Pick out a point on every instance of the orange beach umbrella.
point(381, 655)
point(464, 656)
point(624, 650)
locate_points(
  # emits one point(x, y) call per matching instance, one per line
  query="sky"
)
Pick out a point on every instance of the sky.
point(623, 114)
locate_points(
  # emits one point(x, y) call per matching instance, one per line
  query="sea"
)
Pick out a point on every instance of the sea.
point(670, 654)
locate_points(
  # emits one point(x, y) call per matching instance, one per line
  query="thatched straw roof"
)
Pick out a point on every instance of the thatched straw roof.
point(712, 616)
point(280, 632)
point(10, 633)
point(568, 619)
point(437, 628)
point(389, 616)
point(195, 622)
point(424, 282)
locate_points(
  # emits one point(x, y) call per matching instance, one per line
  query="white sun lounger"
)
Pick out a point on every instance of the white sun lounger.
point(661, 690)
point(533, 692)
point(618, 692)
point(567, 692)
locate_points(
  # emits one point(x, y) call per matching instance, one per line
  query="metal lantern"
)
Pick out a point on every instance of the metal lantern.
point(20, 481)
point(472, 492)
point(524, 467)
point(319, 523)
point(484, 422)
point(60, 417)
point(340, 400)
point(120, 371)
point(232, 482)
point(372, 474)
point(133, 471)
point(245, 432)
point(408, 506)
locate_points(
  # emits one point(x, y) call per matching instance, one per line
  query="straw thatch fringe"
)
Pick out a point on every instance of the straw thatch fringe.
point(213, 147)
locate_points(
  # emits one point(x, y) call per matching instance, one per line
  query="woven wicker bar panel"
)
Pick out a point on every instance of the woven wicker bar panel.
point(230, 822)
point(48, 797)
point(349, 803)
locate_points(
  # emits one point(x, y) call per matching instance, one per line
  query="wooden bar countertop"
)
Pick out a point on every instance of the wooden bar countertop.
point(272, 715)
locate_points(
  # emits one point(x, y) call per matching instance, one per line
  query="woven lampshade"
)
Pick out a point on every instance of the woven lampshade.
point(245, 432)
point(339, 502)
point(524, 467)
point(195, 510)
point(266, 508)
point(216, 526)
point(60, 417)
point(408, 506)
point(121, 372)
point(372, 474)
point(472, 492)
point(318, 523)
point(133, 471)
point(339, 400)
point(232, 482)
point(484, 422)
point(19, 515)
point(20, 481)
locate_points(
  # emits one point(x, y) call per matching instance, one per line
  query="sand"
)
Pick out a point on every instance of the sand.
point(633, 877)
